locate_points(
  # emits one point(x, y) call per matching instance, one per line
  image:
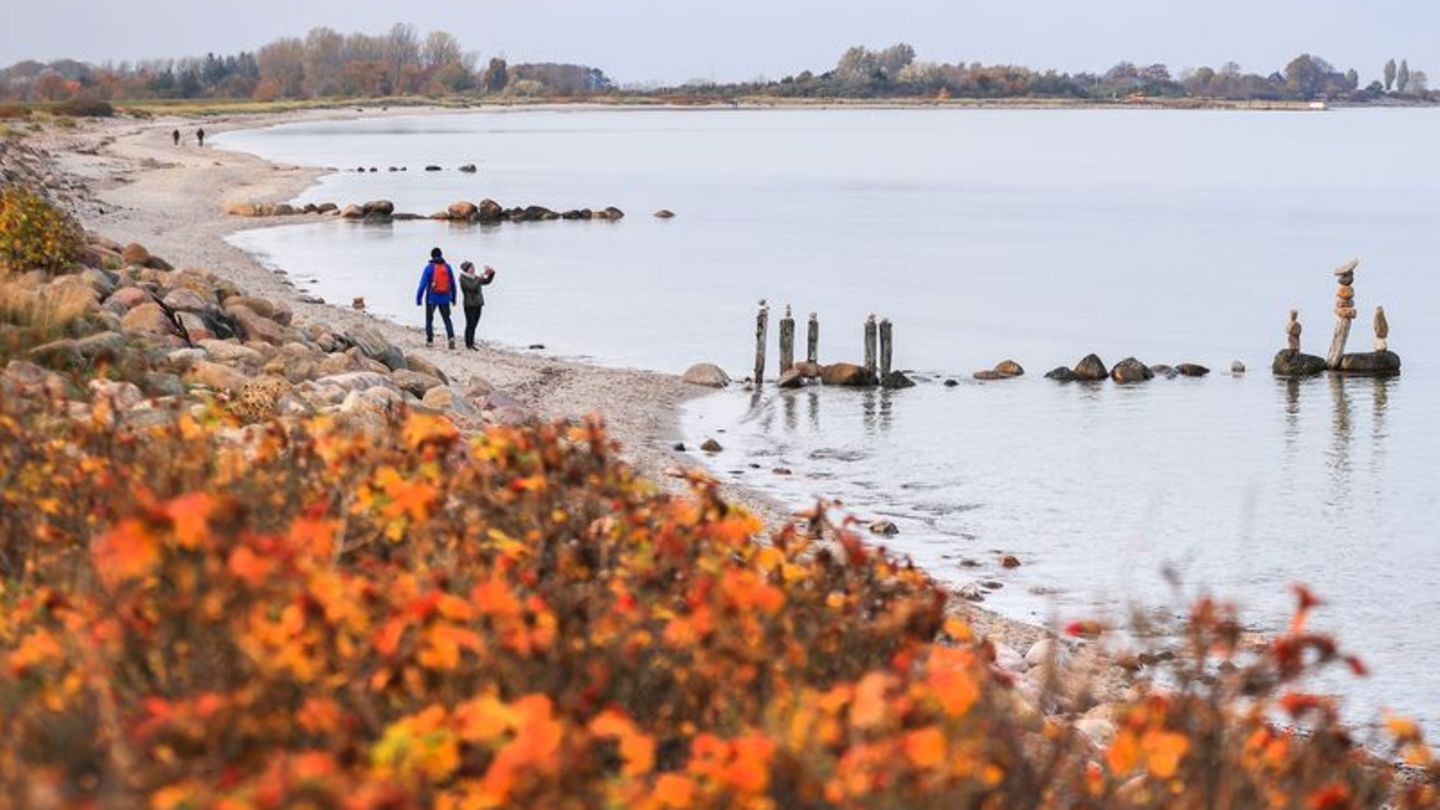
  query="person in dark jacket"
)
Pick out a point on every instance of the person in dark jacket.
point(175, 136)
point(473, 286)
point(437, 291)
point(200, 136)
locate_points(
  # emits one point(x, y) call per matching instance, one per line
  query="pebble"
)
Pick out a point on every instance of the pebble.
point(884, 528)
point(1009, 561)
point(711, 446)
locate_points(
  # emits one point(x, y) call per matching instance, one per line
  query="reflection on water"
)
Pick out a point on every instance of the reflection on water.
point(1244, 486)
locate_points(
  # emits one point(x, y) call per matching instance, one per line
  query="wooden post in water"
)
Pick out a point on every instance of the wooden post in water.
point(787, 341)
point(887, 348)
point(812, 343)
point(870, 337)
point(1344, 312)
point(762, 323)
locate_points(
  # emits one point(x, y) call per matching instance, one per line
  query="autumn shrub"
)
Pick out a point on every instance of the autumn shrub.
point(12, 110)
point(35, 235)
point(297, 615)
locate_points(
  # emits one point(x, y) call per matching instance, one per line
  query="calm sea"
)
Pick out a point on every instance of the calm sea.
point(1038, 236)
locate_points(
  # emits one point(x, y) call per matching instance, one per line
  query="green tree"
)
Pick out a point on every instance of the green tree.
point(1389, 75)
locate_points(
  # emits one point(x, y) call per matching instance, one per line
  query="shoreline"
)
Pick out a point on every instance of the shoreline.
point(141, 188)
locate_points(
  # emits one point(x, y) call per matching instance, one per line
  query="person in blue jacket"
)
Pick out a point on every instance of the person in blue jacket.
point(437, 291)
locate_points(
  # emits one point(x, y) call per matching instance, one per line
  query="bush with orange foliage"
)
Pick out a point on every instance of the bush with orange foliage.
point(296, 616)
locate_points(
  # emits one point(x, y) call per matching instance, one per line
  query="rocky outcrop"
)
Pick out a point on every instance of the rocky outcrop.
point(708, 375)
point(896, 380)
point(1295, 363)
point(461, 211)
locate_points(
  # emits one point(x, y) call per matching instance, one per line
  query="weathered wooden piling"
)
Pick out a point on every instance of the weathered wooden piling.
point(787, 341)
point(887, 348)
point(812, 342)
point(1344, 312)
point(762, 323)
point(870, 338)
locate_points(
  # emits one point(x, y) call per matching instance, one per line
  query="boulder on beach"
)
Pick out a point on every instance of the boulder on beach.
point(1371, 364)
point(135, 255)
point(847, 374)
point(706, 374)
point(148, 318)
point(808, 370)
point(1295, 363)
point(1091, 369)
point(711, 446)
point(352, 211)
point(1131, 370)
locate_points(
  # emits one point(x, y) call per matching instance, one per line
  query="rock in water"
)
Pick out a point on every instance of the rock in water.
point(1060, 374)
point(1371, 364)
point(1294, 363)
point(1009, 368)
point(469, 168)
point(1192, 370)
point(664, 214)
point(895, 380)
point(791, 379)
point(1237, 367)
point(884, 528)
point(461, 210)
point(711, 446)
point(988, 375)
point(1131, 370)
point(706, 374)
point(1091, 369)
point(846, 374)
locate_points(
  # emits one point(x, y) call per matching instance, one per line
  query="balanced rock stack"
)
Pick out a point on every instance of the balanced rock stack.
point(1345, 295)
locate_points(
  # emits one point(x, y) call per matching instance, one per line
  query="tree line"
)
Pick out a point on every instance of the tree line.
point(895, 72)
point(327, 64)
point(323, 64)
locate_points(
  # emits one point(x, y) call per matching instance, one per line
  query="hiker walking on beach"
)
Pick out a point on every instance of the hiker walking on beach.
point(437, 291)
point(200, 135)
point(472, 285)
point(176, 137)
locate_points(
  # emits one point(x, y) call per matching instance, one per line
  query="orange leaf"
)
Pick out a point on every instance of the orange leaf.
point(129, 551)
point(925, 748)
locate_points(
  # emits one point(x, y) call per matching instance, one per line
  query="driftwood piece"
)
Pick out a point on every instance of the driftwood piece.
point(787, 341)
point(812, 342)
point(762, 328)
point(887, 347)
point(870, 339)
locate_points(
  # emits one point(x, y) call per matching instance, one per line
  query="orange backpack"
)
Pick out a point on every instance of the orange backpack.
point(440, 279)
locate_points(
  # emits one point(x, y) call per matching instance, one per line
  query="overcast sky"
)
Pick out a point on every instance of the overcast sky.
point(676, 40)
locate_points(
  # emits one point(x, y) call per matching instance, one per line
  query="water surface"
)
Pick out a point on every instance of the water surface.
point(1033, 235)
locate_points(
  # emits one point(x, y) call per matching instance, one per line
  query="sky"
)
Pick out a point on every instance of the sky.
point(671, 41)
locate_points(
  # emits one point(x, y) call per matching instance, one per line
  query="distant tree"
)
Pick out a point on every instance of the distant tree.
point(894, 59)
point(1402, 78)
point(497, 75)
point(1389, 75)
point(1305, 75)
point(402, 50)
point(1419, 83)
point(440, 48)
point(282, 68)
point(51, 86)
point(1352, 78)
point(324, 62)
